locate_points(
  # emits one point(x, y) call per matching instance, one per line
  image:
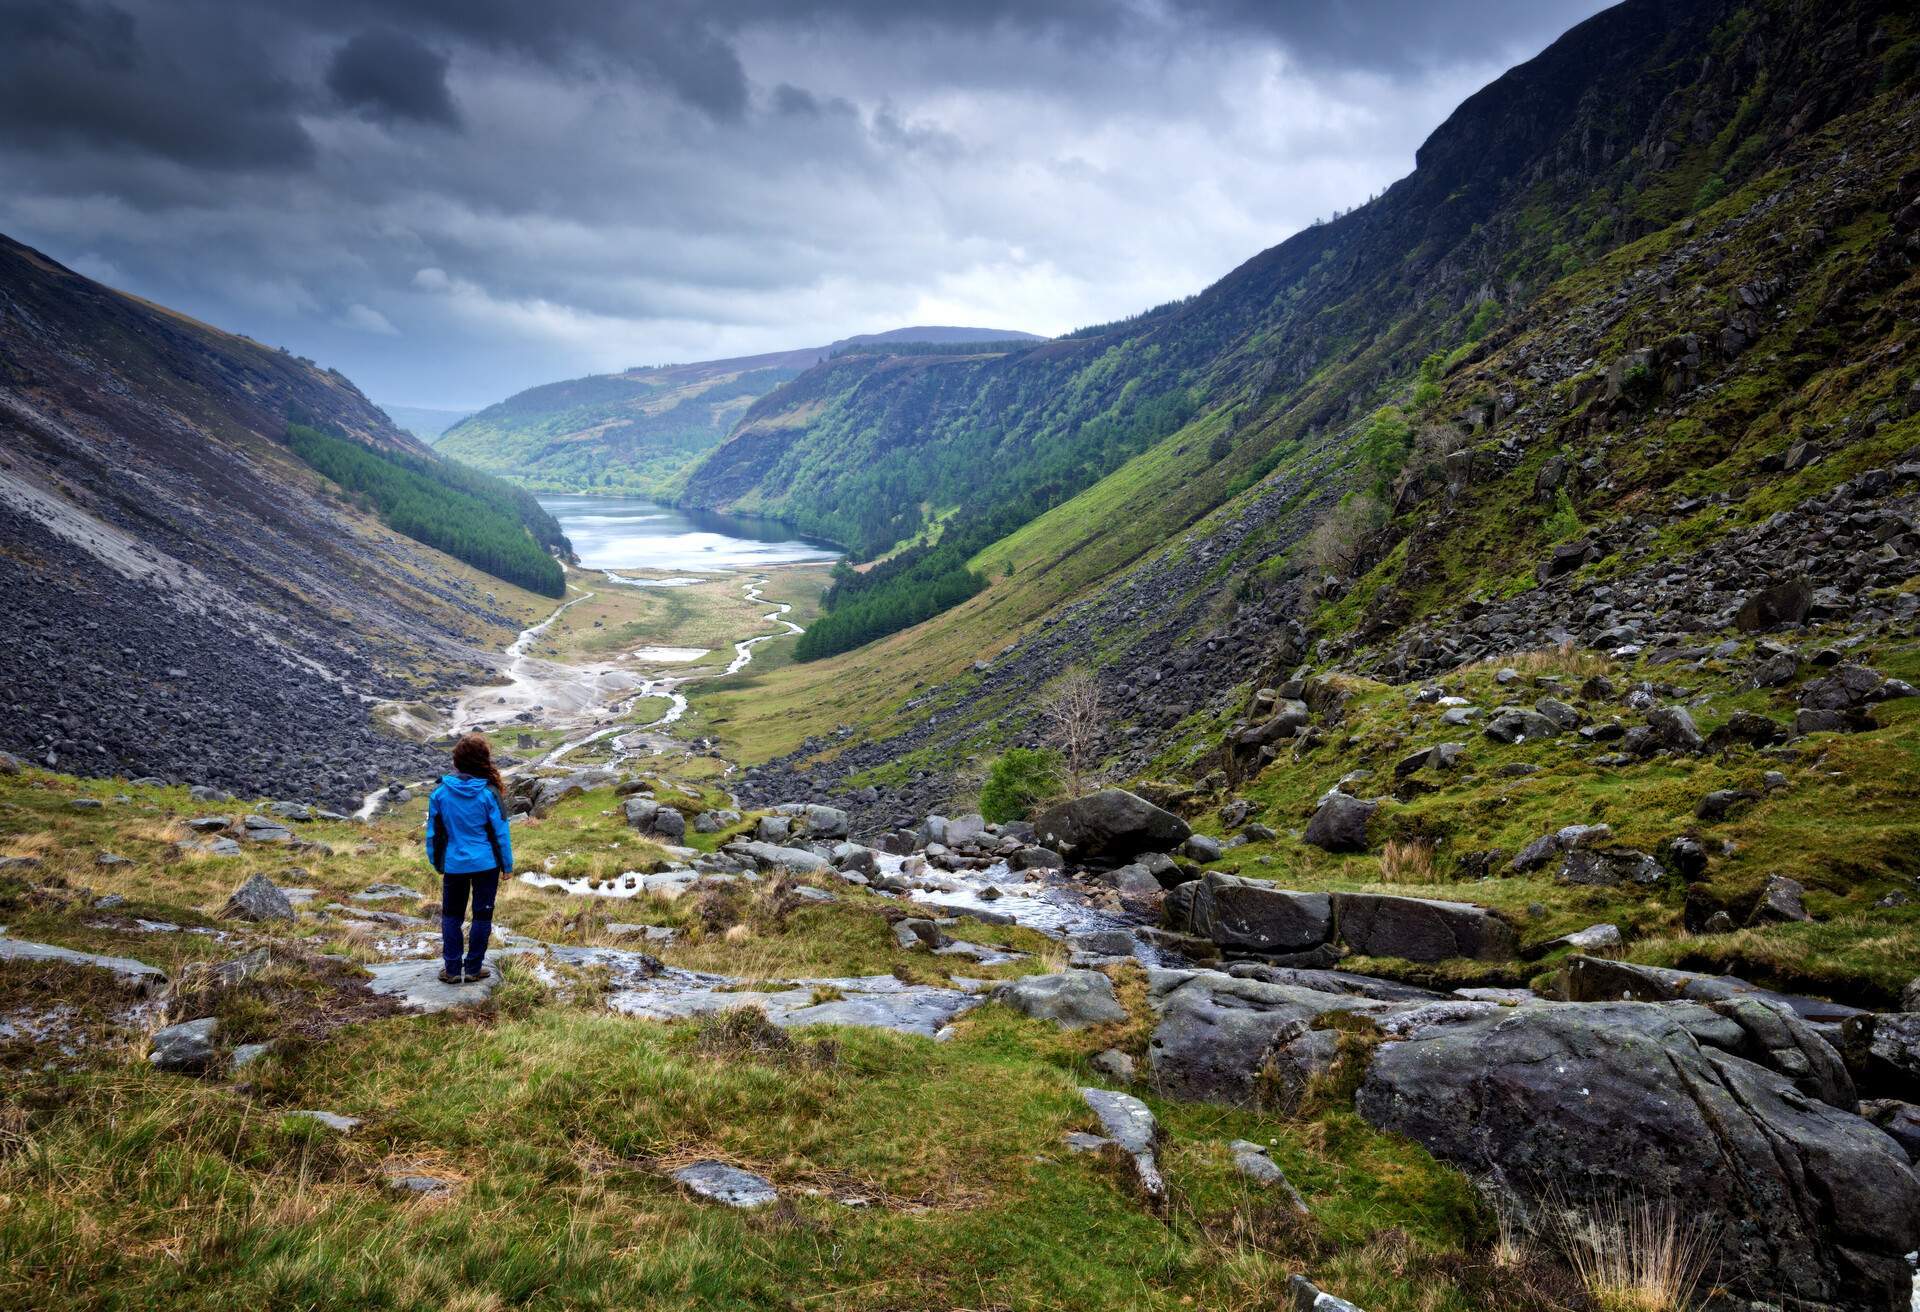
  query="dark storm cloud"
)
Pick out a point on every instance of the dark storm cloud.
point(101, 76)
point(453, 199)
point(390, 75)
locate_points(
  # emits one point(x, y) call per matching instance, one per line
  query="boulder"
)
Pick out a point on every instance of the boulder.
point(258, 899)
point(1594, 938)
point(1247, 915)
point(826, 822)
point(1110, 827)
point(1036, 858)
point(259, 829)
point(712, 822)
point(1072, 999)
point(1201, 848)
point(1780, 902)
point(1420, 929)
point(186, 1047)
point(1847, 688)
point(1901, 1121)
point(1253, 1161)
point(1883, 1052)
point(1785, 602)
point(1808, 1205)
point(1673, 728)
point(1518, 726)
point(773, 829)
point(1611, 867)
point(1597, 979)
point(1723, 802)
point(1339, 823)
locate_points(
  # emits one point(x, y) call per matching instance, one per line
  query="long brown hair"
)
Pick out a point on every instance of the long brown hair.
point(473, 755)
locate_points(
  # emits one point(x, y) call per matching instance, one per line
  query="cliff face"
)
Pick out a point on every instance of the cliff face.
point(150, 509)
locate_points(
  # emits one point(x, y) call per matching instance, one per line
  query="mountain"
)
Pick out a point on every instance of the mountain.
point(638, 432)
point(187, 596)
point(1630, 123)
point(1629, 292)
point(424, 422)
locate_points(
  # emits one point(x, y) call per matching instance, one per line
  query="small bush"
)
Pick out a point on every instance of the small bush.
point(1563, 525)
point(1017, 782)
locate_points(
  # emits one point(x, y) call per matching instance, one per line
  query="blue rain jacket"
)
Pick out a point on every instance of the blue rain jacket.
point(466, 830)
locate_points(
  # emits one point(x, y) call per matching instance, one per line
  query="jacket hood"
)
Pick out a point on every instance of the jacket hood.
point(466, 784)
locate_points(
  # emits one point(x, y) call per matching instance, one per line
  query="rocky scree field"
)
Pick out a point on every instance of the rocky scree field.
point(186, 598)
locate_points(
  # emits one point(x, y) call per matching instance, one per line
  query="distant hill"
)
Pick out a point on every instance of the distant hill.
point(640, 431)
point(423, 422)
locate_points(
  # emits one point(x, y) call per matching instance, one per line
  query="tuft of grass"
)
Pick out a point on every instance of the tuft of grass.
point(1633, 1255)
point(1407, 862)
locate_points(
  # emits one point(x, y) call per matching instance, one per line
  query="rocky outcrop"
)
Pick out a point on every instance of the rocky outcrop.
point(1417, 929)
point(1586, 1104)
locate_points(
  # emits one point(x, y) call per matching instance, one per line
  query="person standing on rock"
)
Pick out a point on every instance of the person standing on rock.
point(469, 844)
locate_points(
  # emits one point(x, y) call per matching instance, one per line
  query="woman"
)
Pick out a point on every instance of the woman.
point(469, 844)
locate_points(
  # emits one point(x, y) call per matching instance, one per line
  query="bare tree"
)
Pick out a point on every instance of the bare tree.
point(1072, 709)
point(1340, 535)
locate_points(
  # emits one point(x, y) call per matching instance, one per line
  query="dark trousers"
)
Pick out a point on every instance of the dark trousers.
point(454, 889)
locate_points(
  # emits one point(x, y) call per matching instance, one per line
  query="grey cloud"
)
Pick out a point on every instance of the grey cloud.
point(99, 76)
point(679, 181)
point(389, 75)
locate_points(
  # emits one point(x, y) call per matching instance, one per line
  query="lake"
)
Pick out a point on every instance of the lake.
point(625, 533)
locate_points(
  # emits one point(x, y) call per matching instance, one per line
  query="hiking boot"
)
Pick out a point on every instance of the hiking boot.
point(473, 976)
point(451, 976)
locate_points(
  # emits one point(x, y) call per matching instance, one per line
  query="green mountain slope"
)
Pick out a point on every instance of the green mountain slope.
point(638, 432)
point(1629, 123)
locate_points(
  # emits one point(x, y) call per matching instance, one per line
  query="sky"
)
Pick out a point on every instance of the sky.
point(452, 200)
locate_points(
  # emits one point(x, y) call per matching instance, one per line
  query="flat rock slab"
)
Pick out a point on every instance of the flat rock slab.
point(1072, 999)
point(386, 893)
point(146, 977)
point(1598, 979)
point(874, 1001)
point(771, 856)
point(1130, 1124)
point(719, 1183)
point(1420, 929)
point(423, 1186)
point(418, 986)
